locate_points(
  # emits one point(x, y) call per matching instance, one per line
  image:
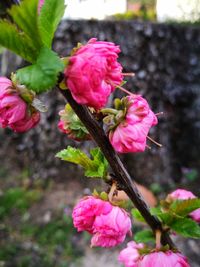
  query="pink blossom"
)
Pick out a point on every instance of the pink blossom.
point(14, 111)
point(85, 212)
point(130, 255)
point(184, 194)
point(163, 259)
point(93, 73)
point(111, 229)
point(131, 134)
point(108, 224)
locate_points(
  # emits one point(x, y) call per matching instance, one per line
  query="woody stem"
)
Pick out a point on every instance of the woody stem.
point(122, 177)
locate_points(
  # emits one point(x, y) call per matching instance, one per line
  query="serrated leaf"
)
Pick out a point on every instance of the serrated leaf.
point(185, 227)
point(144, 236)
point(94, 167)
point(137, 215)
point(76, 156)
point(42, 75)
point(25, 16)
point(50, 15)
point(17, 42)
point(184, 207)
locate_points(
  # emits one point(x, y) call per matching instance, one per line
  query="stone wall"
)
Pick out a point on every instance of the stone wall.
point(166, 61)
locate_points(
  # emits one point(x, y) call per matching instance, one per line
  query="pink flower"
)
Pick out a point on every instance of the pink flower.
point(163, 259)
point(130, 255)
point(131, 134)
point(93, 73)
point(184, 194)
point(86, 210)
point(111, 229)
point(14, 111)
point(108, 224)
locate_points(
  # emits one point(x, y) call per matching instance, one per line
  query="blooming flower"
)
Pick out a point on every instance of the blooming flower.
point(14, 111)
point(85, 212)
point(93, 73)
point(184, 194)
point(163, 259)
point(71, 125)
point(108, 224)
point(130, 135)
point(111, 229)
point(130, 255)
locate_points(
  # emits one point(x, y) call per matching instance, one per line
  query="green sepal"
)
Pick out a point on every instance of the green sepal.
point(96, 166)
point(42, 75)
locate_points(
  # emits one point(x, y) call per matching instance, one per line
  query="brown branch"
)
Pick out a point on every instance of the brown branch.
point(121, 174)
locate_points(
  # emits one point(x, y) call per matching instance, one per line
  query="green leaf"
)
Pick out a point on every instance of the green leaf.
point(25, 17)
point(184, 207)
point(185, 227)
point(42, 75)
point(16, 41)
point(137, 215)
point(99, 164)
point(50, 15)
point(76, 156)
point(144, 236)
point(96, 166)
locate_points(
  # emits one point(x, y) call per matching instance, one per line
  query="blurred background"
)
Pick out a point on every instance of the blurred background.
point(160, 43)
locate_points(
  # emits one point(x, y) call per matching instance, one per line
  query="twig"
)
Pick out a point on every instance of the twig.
point(121, 175)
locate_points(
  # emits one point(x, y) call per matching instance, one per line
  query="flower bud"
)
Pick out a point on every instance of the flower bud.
point(71, 125)
point(15, 113)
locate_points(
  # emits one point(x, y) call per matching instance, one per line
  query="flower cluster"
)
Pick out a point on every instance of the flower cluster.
point(107, 223)
point(132, 256)
point(15, 112)
point(91, 75)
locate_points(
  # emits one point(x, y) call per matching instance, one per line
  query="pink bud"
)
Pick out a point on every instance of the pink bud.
point(15, 113)
point(163, 259)
point(184, 194)
point(93, 73)
point(71, 125)
point(130, 255)
point(131, 134)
